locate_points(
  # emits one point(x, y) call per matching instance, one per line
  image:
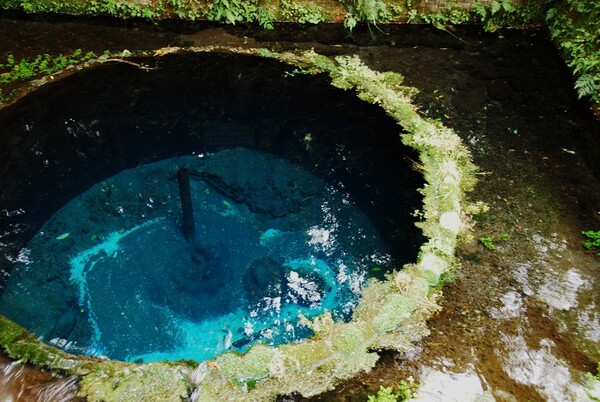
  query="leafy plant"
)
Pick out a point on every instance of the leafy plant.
point(593, 239)
point(234, 11)
point(230, 11)
point(587, 85)
point(369, 11)
point(189, 9)
point(41, 65)
point(350, 22)
point(509, 13)
point(490, 242)
point(121, 8)
point(301, 14)
point(405, 390)
point(574, 26)
point(265, 17)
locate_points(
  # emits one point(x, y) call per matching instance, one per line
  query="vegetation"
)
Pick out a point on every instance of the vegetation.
point(12, 70)
point(574, 24)
point(264, 12)
point(592, 384)
point(293, 11)
point(368, 11)
point(233, 11)
point(122, 8)
point(593, 239)
point(404, 391)
point(575, 27)
point(490, 242)
point(392, 313)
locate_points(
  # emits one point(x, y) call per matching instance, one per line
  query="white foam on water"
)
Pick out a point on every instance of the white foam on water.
point(445, 386)
point(588, 320)
point(322, 239)
point(544, 279)
point(560, 292)
point(512, 306)
point(540, 368)
point(321, 268)
point(23, 257)
point(521, 275)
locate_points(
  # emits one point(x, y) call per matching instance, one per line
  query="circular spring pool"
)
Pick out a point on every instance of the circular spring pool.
point(299, 193)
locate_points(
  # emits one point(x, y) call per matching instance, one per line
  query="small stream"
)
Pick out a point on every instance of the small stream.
point(516, 316)
point(20, 383)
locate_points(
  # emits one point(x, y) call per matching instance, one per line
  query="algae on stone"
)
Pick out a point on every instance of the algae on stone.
point(160, 382)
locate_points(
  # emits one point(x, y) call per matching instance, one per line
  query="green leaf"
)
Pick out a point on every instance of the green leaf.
point(350, 22)
point(495, 7)
point(230, 17)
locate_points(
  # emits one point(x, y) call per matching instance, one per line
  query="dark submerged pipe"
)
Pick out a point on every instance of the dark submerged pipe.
point(189, 230)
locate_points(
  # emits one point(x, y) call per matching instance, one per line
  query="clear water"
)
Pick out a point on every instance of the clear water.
point(111, 274)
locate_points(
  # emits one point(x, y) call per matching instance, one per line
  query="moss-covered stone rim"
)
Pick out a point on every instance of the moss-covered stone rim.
point(391, 314)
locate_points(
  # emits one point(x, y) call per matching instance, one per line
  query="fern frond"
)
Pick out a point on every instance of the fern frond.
point(586, 85)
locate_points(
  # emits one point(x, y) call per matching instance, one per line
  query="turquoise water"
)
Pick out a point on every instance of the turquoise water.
point(111, 274)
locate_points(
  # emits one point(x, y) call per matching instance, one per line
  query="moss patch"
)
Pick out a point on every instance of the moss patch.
point(150, 382)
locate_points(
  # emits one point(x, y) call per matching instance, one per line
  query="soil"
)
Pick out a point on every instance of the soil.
point(521, 321)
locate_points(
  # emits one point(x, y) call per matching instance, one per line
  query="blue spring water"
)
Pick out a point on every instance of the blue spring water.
point(111, 274)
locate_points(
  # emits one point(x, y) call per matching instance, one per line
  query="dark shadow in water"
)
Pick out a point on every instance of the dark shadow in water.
point(65, 137)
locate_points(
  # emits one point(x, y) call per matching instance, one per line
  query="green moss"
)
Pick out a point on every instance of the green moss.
point(110, 382)
point(592, 384)
point(252, 365)
point(396, 309)
point(20, 344)
point(349, 338)
point(351, 363)
point(306, 354)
